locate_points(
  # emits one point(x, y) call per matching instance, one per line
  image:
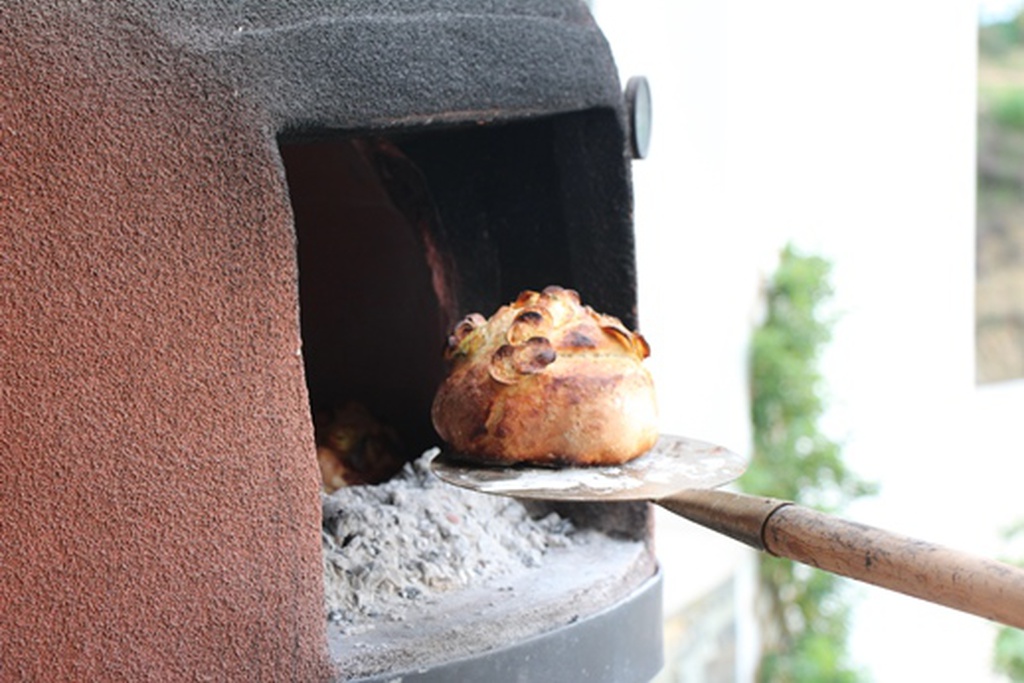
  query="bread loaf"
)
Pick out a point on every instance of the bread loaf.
point(546, 380)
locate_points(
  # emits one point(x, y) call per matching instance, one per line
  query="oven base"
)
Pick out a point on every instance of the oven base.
point(528, 629)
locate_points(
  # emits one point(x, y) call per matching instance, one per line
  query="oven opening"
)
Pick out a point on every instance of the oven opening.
point(395, 240)
point(372, 303)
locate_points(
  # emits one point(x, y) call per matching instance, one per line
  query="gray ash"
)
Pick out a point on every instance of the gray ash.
point(414, 538)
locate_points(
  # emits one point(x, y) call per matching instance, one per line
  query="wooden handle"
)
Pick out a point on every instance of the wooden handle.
point(956, 579)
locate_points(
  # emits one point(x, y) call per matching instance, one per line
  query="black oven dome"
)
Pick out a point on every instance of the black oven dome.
point(371, 65)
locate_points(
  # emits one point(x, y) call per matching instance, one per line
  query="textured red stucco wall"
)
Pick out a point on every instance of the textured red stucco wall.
point(158, 490)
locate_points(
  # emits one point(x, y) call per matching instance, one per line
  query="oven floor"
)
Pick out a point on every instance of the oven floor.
point(572, 608)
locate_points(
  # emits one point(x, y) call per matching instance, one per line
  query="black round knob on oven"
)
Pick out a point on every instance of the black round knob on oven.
point(638, 108)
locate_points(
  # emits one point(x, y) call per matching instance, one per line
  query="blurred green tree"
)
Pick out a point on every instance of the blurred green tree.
point(803, 612)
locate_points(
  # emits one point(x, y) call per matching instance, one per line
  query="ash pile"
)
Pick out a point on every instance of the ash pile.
point(412, 540)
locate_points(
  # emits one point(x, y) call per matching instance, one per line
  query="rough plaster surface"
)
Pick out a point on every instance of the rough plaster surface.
point(371, 64)
point(157, 480)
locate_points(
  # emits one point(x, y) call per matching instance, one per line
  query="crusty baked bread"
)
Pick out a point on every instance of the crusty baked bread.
point(546, 380)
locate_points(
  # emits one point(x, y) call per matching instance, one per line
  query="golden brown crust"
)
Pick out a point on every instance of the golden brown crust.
point(547, 380)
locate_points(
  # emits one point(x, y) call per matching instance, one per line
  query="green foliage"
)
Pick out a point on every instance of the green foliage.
point(996, 39)
point(1001, 56)
point(1008, 655)
point(1007, 109)
point(805, 616)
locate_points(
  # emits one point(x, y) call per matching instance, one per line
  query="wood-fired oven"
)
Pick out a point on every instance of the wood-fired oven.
point(221, 219)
